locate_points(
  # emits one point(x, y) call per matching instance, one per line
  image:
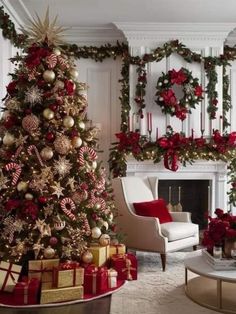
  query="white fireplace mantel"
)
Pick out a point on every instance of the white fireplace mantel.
point(214, 171)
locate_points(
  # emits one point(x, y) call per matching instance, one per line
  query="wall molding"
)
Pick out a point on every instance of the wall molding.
point(214, 34)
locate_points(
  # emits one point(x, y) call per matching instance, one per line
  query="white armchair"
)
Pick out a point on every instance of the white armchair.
point(146, 233)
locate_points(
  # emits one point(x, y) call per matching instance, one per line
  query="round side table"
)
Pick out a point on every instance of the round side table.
point(214, 289)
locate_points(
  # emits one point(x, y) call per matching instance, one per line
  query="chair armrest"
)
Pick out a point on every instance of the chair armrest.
point(181, 216)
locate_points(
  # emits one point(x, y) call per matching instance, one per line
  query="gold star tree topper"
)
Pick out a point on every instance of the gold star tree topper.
point(39, 31)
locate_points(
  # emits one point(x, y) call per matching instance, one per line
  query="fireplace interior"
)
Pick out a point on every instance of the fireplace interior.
point(193, 195)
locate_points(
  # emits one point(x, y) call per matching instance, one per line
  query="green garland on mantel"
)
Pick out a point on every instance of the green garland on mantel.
point(98, 54)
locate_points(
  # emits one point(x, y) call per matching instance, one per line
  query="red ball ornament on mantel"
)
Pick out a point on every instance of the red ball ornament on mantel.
point(53, 241)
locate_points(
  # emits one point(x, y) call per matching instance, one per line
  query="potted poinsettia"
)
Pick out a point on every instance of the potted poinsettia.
point(221, 231)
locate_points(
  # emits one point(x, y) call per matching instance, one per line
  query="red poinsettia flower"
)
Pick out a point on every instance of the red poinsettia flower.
point(200, 142)
point(29, 208)
point(177, 77)
point(198, 91)
point(10, 122)
point(11, 88)
point(169, 97)
point(70, 87)
point(181, 113)
point(35, 54)
point(232, 138)
point(12, 204)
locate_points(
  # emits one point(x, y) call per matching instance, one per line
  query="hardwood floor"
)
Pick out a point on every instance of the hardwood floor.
point(99, 306)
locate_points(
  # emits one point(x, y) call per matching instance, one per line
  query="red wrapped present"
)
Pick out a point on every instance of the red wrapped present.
point(9, 274)
point(68, 274)
point(95, 280)
point(126, 266)
point(26, 291)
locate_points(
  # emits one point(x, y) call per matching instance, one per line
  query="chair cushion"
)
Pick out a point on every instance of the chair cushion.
point(155, 208)
point(178, 230)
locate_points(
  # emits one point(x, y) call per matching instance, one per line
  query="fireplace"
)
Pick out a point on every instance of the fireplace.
point(207, 179)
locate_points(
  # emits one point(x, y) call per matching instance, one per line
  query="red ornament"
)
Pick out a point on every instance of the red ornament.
point(53, 241)
point(74, 133)
point(53, 107)
point(50, 137)
point(28, 111)
point(42, 199)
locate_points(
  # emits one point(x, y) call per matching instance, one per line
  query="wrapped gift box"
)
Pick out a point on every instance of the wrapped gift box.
point(43, 270)
point(112, 278)
point(68, 275)
point(126, 266)
point(9, 274)
point(61, 294)
point(117, 249)
point(95, 280)
point(100, 254)
point(27, 291)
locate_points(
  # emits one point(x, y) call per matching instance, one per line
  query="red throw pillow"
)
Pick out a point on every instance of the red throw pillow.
point(156, 208)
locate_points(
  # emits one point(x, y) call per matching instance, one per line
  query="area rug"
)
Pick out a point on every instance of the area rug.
point(155, 291)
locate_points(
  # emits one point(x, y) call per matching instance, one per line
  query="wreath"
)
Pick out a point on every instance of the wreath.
point(167, 98)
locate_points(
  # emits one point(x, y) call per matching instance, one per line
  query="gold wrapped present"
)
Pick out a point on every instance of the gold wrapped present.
point(43, 270)
point(67, 275)
point(117, 249)
point(100, 254)
point(61, 294)
point(9, 274)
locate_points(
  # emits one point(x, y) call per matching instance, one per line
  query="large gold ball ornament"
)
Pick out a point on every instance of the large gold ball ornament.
point(30, 123)
point(49, 252)
point(96, 232)
point(48, 114)
point(57, 51)
point(29, 196)
point(104, 240)
point(74, 73)
point(49, 76)
point(46, 153)
point(8, 139)
point(62, 144)
point(68, 122)
point(76, 141)
point(81, 125)
point(22, 186)
point(87, 257)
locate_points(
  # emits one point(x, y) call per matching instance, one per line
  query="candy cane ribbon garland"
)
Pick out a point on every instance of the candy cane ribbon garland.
point(64, 204)
point(16, 173)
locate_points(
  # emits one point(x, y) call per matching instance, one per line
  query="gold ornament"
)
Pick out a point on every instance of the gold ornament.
point(8, 139)
point(46, 153)
point(49, 76)
point(48, 114)
point(29, 196)
point(74, 73)
point(81, 125)
point(49, 252)
point(104, 240)
point(96, 232)
point(68, 122)
point(87, 257)
point(62, 144)
point(57, 51)
point(76, 141)
point(22, 186)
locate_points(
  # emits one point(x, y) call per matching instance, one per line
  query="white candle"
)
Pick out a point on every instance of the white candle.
point(149, 122)
point(142, 126)
point(156, 134)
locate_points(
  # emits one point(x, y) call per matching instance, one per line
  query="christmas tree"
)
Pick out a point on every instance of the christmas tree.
point(54, 198)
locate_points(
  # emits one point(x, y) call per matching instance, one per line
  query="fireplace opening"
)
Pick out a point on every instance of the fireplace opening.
point(188, 195)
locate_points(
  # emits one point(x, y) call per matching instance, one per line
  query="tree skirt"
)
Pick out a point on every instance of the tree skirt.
point(7, 299)
point(156, 291)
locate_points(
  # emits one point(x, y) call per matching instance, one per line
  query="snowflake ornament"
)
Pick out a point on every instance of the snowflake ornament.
point(33, 95)
point(62, 166)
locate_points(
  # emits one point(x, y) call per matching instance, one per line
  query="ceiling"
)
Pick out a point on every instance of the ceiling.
point(101, 13)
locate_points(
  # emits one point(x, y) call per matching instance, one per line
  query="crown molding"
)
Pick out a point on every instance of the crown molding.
point(214, 34)
point(94, 35)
